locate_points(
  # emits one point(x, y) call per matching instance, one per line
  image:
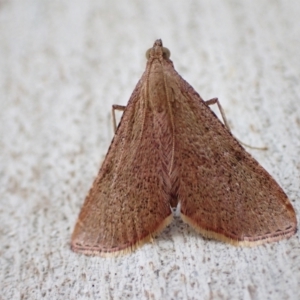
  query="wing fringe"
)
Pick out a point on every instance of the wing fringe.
point(114, 252)
point(246, 242)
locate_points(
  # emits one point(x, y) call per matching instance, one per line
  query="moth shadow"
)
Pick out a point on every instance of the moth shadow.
point(177, 229)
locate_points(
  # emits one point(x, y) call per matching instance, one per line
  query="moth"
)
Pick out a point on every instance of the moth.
point(170, 148)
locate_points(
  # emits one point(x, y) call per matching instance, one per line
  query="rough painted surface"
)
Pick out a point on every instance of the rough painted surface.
point(62, 65)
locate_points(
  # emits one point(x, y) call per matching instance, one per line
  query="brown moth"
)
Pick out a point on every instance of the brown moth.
point(169, 147)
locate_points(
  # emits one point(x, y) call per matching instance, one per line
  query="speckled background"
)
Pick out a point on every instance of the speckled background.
point(63, 64)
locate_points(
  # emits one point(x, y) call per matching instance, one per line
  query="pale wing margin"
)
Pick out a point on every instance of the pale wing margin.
point(224, 193)
point(128, 202)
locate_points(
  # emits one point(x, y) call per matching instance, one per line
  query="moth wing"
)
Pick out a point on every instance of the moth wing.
point(224, 193)
point(129, 201)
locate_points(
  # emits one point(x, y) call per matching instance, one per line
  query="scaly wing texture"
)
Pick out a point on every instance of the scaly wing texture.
point(223, 191)
point(129, 200)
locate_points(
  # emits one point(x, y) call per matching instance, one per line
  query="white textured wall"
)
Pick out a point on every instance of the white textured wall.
point(63, 64)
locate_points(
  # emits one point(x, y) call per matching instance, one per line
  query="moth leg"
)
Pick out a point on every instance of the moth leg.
point(116, 107)
point(216, 101)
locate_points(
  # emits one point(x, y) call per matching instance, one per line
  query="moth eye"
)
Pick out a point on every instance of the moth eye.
point(166, 53)
point(148, 53)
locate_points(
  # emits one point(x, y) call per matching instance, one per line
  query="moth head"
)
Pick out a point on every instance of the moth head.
point(158, 50)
